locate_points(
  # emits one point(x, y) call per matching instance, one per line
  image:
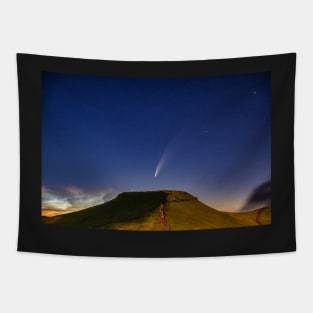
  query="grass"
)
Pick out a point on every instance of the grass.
point(127, 207)
point(261, 216)
point(142, 211)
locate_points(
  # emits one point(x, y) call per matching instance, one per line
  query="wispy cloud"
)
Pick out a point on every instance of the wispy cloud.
point(72, 198)
point(260, 196)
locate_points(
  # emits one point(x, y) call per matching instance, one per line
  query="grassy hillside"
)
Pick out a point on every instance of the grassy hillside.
point(158, 210)
point(261, 216)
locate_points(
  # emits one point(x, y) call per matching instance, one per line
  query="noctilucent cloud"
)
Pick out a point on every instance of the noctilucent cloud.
point(209, 136)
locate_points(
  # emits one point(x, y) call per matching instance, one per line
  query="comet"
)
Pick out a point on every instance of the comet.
point(158, 169)
point(163, 159)
point(168, 151)
point(159, 166)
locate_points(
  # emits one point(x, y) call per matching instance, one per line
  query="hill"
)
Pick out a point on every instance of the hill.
point(158, 210)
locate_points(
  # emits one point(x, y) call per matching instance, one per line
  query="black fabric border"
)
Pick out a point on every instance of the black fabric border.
point(277, 237)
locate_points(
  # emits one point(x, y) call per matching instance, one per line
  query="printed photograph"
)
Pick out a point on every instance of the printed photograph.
point(156, 154)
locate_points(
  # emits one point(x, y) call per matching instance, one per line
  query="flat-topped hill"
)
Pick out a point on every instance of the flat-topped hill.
point(158, 210)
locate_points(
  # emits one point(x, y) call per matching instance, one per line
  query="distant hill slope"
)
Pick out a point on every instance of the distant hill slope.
point(158, 210)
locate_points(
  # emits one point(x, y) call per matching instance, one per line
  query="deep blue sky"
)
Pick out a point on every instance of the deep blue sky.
point(209, 135)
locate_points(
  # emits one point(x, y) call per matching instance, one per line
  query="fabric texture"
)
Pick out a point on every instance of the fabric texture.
point(156, 159)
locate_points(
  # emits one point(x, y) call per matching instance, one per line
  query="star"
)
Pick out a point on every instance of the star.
point(254, 92)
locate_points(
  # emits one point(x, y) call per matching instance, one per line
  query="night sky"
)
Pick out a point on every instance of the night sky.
point(209, 136)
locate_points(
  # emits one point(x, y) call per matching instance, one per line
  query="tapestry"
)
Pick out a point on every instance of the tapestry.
point(156, 159)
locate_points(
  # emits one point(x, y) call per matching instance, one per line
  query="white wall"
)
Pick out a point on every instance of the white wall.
point(155, 30)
